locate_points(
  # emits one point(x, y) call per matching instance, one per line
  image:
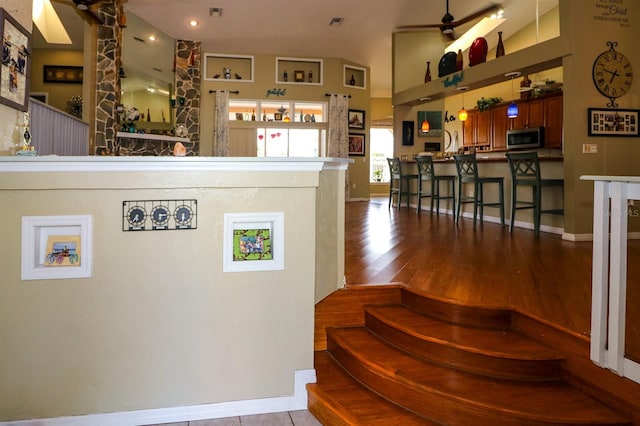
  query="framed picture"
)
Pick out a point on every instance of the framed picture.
point(434, 118)
point(298, 76)
point(356, 119)
point(16, 63)
point(407, 132)
point(356, 145)
point(613, 122)
point(277, 116)
point(253, 242)
point(62, 74)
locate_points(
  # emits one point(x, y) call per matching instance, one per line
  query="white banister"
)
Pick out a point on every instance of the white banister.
point(609, 278)
point(54, 132)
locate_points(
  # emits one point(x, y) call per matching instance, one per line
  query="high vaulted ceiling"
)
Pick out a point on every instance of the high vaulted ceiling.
point(290, 28)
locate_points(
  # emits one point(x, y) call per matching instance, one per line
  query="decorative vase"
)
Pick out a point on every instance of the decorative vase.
point(500, 47)
point(524, 85)
point(478, 51)
point(459, 61)
point(427, 74)
point(447, 64)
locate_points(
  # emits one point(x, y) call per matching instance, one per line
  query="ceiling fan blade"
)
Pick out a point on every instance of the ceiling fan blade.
point(417, 27)
point(476, 15)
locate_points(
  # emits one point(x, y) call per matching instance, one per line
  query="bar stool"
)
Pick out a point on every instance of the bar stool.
point(467, 168)
point(404, 181)
point(525, 171)
point(426, 173)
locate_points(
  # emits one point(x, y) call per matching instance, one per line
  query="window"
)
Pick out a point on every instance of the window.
point(381, 148)
point(282, 142)
point(296, 112)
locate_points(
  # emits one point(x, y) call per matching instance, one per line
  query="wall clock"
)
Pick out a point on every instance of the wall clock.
point(612, 74)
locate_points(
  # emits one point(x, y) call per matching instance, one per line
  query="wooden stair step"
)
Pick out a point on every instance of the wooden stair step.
point(337, 398)
point(493, 352)
point(452, 396)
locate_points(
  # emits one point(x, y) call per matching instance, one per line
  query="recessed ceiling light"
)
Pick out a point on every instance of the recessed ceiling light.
point(193, 23)
point(152, 37)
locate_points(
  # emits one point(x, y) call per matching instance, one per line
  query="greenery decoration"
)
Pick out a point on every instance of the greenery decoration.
point(486, 103)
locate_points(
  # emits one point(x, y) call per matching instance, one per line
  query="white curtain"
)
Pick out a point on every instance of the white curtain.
point(221, 135)
point(338, 145)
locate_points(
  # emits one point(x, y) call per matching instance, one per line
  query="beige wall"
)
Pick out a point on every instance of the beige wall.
point(59, 93)
point(159, 324)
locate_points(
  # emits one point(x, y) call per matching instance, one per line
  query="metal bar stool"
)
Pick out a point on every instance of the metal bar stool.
point(404, 182)
point(525, 171)
point(467, 168)
point(426, 173)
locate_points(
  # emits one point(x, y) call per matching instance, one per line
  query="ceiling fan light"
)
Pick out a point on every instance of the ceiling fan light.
point(446, 29)
point(82, 6)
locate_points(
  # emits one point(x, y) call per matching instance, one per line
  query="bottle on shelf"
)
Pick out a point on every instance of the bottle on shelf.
point(459, 61)
point(253, 115)
point(264, 116)
point(285, 76)
point(310, 76)
point(500, 47)
point(352, 81)
point(427, 74)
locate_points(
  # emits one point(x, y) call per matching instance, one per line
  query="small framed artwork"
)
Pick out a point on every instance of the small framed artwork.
point(277, 116)
point(434, 118)
point(298, 76)
point(63, 250)
point(613, 122)
point(253, 242)
point(16, 63)
point(356, 145)
point(62, 74)
point(407, 132)
point(239, 116)
point(356, 119)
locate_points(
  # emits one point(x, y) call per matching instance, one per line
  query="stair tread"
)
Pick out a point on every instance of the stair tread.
point(504, 344)
point(546, 401)
point(366, 406)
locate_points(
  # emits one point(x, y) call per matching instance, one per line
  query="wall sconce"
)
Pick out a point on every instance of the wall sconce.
point(512, 109)
point(462, 114)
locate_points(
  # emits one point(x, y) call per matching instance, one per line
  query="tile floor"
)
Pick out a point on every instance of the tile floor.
point(295, 418)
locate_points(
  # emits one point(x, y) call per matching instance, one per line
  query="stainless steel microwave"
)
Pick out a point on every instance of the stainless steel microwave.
point(529, 138)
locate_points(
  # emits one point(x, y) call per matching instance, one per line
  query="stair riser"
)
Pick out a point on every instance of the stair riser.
point(439, 407)
point(455, 357)
point(324, 409)
point(458, 314)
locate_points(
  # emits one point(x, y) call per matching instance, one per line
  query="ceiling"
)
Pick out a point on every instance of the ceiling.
point(285, 27)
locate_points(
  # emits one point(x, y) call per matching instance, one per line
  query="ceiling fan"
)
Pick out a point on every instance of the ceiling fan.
point(86, 9)
point(448, 22)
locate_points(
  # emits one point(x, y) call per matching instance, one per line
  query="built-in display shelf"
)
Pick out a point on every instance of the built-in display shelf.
point(355, 77)
point(222, 67)
point(299, 71)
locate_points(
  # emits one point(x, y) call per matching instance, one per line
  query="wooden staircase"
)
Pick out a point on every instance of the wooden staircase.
point(396, 357)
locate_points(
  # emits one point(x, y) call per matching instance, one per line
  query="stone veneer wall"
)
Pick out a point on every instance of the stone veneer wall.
point(108, 89)
point(187, 91)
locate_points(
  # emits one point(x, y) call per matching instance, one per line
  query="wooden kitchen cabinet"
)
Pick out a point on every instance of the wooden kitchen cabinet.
point(553, 121)
point(530, 114)
point(499, 127)
point(477, 128)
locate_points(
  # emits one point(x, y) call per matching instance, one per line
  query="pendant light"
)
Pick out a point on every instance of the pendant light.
point(462, 114)
point(512, 109)
point(425, 123)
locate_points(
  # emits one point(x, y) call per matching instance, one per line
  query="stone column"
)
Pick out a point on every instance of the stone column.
point(187, 91)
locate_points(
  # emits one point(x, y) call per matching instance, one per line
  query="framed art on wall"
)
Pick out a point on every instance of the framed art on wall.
point(613, 122)
point(356, 119)
point(62, 74)
point(16, 63)
point(253, 242)
point(356, 145)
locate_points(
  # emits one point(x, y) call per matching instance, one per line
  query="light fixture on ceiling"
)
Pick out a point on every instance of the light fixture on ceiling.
point(44, 16)
point(193, 23)
point(512, 109)
point(481, 29)
point(462, 114)
point(215, 11)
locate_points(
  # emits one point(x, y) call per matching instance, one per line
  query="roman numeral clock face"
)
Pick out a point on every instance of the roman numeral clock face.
point(612, 74)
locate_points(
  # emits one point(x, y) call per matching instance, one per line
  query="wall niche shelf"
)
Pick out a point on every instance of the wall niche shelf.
point(240, 68)
point(353, 76)
point(299, 71)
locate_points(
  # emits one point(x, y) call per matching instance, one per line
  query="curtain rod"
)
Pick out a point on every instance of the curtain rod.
point(235, 92)
point(331, 94)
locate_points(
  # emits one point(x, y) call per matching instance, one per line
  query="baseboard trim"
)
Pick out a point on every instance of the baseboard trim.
point(297, 401)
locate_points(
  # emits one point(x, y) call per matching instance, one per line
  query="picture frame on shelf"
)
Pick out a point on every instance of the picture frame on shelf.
point(16, 63)
point(357, 143)
point(298, 76)
point(356, 119)
point(613, 122)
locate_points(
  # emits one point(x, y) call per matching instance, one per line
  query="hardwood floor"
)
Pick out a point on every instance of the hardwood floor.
point(546, 276)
